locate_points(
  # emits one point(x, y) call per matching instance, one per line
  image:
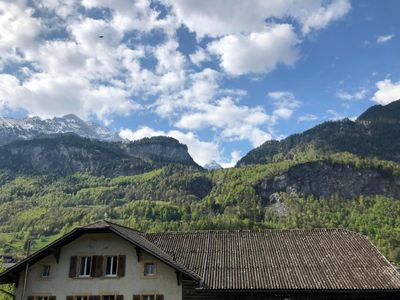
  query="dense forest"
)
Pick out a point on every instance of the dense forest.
point(41, 208)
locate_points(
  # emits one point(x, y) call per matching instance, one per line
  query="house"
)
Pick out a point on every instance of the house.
point(106, 261)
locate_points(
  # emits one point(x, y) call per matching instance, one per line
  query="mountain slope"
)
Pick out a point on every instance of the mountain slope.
point(64, 154)
point(29, 128)
point(384, 114)
point(375, 134)
point(325, 178)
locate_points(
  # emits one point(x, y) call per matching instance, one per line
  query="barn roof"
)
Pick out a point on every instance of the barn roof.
point(296, 260)
point(318, 259)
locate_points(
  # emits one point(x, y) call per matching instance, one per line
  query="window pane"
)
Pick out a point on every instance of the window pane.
point(86, 264)
point(108, 265)
point(109, 297)
point(46, 271)
point(111, 265)
point(114, 266)
point(148, 269)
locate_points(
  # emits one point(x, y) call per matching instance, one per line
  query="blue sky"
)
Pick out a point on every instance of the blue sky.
point(220, 76)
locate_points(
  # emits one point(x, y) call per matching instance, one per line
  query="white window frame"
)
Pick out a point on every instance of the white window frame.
point(86, 272)
point(114, 260)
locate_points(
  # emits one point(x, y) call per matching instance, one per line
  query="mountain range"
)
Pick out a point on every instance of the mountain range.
point(56, 174)
point(29, 128)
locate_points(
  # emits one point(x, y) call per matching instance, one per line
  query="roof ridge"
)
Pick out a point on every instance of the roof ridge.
point(256, 230)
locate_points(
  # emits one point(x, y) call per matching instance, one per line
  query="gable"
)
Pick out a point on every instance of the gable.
point(133, 238)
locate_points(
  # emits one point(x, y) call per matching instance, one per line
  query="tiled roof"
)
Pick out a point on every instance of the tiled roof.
point(321, 259)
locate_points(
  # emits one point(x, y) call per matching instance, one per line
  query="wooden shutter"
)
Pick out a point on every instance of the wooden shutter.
point(121, 265)
point(72, 266)
point(97, 266)
point(52, 298)
point(31, 298)
point(70, 297)
point(159, 297)
point(136, 297)
point(120, 297)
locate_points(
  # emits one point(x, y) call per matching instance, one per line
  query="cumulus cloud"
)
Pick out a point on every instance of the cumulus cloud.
point(384, 38)
point(231, 162)
point(215, 18)
point(357, 95)
point(285, 104)
point(258, 52)
point(387, 92)
point(202, 152)
point(19, 29)
point(323, 15)
point(199, 56)
point(236, 122)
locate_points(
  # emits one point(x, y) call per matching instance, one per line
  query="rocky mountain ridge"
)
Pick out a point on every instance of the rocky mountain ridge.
point(64, 154)
point(28, 128)
point(375, 134)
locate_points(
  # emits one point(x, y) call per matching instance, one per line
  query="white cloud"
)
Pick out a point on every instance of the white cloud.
point(19, 29)
point(215, 18)
point(257, 52)
point(307, 118)
point(46, 96)
point(358, 95)
point(202, 152)
point(285, 103)
point(387, 92)
point(234, 158)
point(323, 15)
point(384, 38)
point(199, 56)
point(236, 122)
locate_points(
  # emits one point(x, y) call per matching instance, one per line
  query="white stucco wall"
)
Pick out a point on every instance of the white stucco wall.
point(60, 285)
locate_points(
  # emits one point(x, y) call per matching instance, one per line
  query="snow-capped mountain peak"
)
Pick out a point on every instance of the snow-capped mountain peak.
point(28, 128)
point(213, 165)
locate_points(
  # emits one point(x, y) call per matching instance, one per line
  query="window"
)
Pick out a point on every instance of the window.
point(109, 297)
point(85, 266)
point(111, 265)
point(81, 297)
point(148, 297)
point(42, 298)
point(46, 271)
point(149, 269)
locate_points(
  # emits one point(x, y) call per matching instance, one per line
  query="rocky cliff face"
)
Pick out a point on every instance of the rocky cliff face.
point(323, 179)
point(70, 153)
point(162, 149)
point(29, 128)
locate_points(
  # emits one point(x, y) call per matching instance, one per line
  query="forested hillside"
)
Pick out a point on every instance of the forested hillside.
point(180, 198)
point(339, 174)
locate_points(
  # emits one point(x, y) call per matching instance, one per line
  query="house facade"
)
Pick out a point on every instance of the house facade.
point(106, 261)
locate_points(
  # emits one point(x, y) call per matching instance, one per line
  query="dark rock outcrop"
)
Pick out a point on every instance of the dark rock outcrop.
point(324, 179)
